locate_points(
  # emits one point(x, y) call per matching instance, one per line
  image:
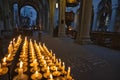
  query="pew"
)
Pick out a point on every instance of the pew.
point(106, 39)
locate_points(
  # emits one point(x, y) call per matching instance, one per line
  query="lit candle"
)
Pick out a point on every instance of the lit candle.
point(51, 77)
point(41, 48)
point(42, 57)
point(68, 72)
point(10, 47)
point(36, 73)
point(4, 60)
point(0, 68)
point(51, 51)
point(45, 48)
point(35, 61)
point(36, 76)
point(63, 67)
point(9, 56)
point(56, 69)
point(21, 64)
point(48, 70)
point(14, 41)
point(59, 62)
point(54, 57)
point(56, 72)
point(44, 62)
point(20, 70)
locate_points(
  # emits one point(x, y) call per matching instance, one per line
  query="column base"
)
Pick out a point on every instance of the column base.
point(62, 35)
point(84, 41)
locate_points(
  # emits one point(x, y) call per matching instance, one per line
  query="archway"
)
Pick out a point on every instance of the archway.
point(104, 15)
point(28, 16)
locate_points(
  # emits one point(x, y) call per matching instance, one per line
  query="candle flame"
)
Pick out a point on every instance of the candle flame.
point(13, 39)
point(59, 60)
point(9, 55)
point(69, 69)
point(48, 69)
point(21, 64)
point(51, 77)
point(68, 72)
point(35, 60)
point(36, 72)
point(63, 64)
point(4, 60)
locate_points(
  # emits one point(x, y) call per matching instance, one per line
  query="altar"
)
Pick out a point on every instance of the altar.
point(30, 60)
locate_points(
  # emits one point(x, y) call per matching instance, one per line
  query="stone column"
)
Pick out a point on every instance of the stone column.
point(43, 19)
point(113, 18)
point(95, 20)
point(1, 16)
point(46, 20)
point(52, 9)
point(6, 15)
point(62, 9)
point(83, 35)
point(18, 17)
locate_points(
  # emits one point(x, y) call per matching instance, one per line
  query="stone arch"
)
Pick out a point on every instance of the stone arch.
point(35, 7)
point(104, 14)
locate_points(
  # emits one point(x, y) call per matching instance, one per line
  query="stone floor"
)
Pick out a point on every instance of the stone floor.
point(87, 62)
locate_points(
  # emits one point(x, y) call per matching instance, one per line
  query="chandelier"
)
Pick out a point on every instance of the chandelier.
point(72, 3)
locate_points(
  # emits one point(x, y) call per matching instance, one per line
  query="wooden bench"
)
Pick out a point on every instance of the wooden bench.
point(107, 39)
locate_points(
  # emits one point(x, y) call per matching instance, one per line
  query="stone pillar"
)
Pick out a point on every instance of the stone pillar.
point(52, 9)
point(95, 20)
point(7, 16)
point(43, 19)
point(62, 9)
point(113, 18)
point(18, 17)
point(40, 21)
point(83, 35)
point(46, 20)
point(1, 16)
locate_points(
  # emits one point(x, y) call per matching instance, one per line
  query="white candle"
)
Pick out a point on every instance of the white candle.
point(51, 77)
point(56, 69)
point(14, 41)
point(35, 61)
point(4, 60)
point(20, 70)
point(59, 62)
point(21, 64)
point(36, 73)
point(63, 66)
point(48, 69)
point(53, 57)
point(68, 72)
point(56, 61)
point(9, 55)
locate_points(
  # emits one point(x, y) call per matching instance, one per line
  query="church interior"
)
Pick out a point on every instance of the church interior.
point(59, 39)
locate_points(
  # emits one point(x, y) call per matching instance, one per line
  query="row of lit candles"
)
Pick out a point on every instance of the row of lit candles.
point(41, 60)
point(53, 62)
point(22, 64)
point(12, 49)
